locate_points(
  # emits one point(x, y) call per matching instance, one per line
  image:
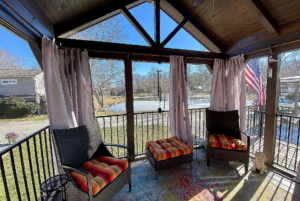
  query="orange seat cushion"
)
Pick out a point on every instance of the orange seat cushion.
point(104, 169)
point(168, 148)
point(226, 142)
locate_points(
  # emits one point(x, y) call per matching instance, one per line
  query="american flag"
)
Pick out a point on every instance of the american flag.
point(255, 82)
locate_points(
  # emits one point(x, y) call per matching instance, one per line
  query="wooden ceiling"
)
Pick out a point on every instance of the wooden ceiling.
point(235, 26)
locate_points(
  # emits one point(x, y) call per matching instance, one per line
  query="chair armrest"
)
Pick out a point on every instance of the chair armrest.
point(87, 175)
point(122, 146)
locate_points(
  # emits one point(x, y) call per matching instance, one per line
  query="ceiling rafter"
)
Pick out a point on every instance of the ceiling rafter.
point(195, 23)
point(98, 15)
point(257, 43)
point(157, 22)
point(263, 16)
point(137, 26)
point(174, 32)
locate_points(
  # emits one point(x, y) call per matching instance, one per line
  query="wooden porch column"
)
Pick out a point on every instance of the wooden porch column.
point(271, 110)
point(129, 107)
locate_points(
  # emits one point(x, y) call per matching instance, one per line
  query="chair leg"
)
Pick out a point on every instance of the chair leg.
point(207, 161)
point(246, 168)
point(129, 186)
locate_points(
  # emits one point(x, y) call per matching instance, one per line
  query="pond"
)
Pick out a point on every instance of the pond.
point(152, 103)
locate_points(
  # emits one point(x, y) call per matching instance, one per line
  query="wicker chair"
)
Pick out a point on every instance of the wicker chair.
point(226, 123)
point(76, 146)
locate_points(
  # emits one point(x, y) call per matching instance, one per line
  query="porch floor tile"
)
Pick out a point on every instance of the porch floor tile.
point(221, 180)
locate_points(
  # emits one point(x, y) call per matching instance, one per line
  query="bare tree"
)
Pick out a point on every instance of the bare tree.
point(105, 73)
point(10, 61)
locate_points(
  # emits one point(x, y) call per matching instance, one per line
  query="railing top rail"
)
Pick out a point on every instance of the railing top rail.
point(21, 141)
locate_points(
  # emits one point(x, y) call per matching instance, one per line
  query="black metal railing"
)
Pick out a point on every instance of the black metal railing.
point(287, 142)
point(24, 165)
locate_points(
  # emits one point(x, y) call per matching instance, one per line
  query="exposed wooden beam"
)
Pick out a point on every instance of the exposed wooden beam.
point(137, 26)
point(13, 23)
point(134, 49)
point(288, 32)
point(194, 22)
point(263, 16)
point(129, 108)
point(37, 52)
point(174, 32)
point(98, 15)
point(32, 15)
point(157, 22)
point(145, 58)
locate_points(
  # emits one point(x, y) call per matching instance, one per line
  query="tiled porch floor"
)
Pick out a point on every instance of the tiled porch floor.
point(220, 181)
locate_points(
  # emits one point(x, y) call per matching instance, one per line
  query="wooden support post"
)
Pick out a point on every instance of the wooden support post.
point(271, 110)
point(296, 98)
point(129, 108)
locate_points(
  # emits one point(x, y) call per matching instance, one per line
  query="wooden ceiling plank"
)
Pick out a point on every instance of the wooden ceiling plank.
point(48, 7)
point(173, 33)
point(82, 22)
point(262, 40)
point(263, 15)
point(48, 14)
point(138, 26)
point(157, 22)
point(134, 49)
point(191, 19)
point(32, 15)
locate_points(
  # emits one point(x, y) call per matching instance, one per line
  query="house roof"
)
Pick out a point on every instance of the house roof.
point(19, 72)
point(290, 79)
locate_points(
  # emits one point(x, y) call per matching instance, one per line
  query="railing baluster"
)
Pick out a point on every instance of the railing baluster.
point(118, 136)
point(280, 127)
point(192, 122)
point(288, 142)
point(42, 154)
point(157, 125)
point(152, 127)
point(4, 178)
point(147, 128)
point(163, 126)
point(199, 132)
point(136, 135)
point(142, 133)
point(47, 155)
point(23, 171)
point(31, 169)
point(104, 128)
point(195, 123)
point(111, 136)
point(124, 135)
point(297, 145)
point(168, 115)
point(15, 173)
point(51, 151)
point(37, 160)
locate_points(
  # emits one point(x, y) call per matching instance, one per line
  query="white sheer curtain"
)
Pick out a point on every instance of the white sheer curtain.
point(179, 116)
point(228, 87)
point(218, 91)
point(68, 89)
point(236, 88)
point(68, 86)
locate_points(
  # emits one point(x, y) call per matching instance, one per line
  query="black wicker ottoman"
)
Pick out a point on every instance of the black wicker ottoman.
point(158, 165)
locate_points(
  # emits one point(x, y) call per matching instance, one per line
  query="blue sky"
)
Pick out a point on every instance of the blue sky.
point(143, 13)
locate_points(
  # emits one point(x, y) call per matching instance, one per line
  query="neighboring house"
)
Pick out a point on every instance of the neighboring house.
point(287, 84)
point(22, 82)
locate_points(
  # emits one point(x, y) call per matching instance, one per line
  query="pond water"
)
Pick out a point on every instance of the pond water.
point(152, 103)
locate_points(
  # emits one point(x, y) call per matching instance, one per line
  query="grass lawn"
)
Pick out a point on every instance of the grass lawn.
point(115, 135)
point(28, 118)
